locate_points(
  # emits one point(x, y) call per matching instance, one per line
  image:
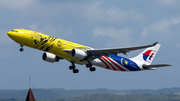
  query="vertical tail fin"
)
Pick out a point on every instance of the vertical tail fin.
point(147, 55)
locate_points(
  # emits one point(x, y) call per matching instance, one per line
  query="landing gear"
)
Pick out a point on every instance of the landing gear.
point(21, 49)
point(75, 71)
point(90, 67)
point(73, 68)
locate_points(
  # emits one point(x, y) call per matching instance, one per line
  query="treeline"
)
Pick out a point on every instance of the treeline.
point(113, 97)
point(133, 97)
point(13, 99)
point(61, 93)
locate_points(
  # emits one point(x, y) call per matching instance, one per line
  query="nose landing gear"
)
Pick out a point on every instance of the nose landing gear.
point(21, 49)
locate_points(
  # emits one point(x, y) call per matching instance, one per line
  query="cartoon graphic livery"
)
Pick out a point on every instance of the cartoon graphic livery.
point(56, 49)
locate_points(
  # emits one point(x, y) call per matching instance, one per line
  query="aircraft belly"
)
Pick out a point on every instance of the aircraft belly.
point(98, 62)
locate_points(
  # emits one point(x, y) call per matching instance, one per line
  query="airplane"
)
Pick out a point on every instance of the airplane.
point(56, 49)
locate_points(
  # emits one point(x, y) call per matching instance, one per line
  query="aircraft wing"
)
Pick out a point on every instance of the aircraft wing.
point(115, 51)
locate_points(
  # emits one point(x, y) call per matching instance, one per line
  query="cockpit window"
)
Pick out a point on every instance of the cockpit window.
point(14, 31)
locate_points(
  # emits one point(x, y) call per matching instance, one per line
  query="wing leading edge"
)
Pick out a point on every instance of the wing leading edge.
point(115, 51)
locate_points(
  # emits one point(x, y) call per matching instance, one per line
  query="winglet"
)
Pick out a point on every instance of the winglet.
point(154, 44)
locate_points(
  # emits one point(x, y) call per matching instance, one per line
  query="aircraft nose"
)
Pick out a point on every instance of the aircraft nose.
point(10, 34)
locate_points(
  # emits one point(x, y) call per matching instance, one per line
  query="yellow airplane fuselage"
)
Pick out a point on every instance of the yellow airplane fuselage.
point(46, 43)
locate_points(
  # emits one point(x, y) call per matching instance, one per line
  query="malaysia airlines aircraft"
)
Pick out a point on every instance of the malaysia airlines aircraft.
point(56, 49)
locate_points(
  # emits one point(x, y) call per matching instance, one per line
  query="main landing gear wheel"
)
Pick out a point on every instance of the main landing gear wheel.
point(73, 67)
point(90, 67)
point(75, 71)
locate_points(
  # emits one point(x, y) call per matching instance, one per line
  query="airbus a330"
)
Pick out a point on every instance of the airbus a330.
point(56, 49)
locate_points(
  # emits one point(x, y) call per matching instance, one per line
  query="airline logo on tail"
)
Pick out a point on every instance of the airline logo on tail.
point(148, 55)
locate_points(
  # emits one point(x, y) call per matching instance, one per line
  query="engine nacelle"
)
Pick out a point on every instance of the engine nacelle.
point(79, 54)
point(49, 57)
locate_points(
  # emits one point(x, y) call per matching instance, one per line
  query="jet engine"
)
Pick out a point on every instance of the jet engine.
point(49, 57)
point(79, 54)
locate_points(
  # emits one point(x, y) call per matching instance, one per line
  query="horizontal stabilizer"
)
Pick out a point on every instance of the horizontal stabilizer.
point(155, 66)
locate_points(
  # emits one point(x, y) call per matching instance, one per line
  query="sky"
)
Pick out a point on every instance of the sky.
point(97, 24)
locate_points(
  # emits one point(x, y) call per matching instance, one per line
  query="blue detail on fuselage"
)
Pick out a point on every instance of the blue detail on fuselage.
point(125, 62)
